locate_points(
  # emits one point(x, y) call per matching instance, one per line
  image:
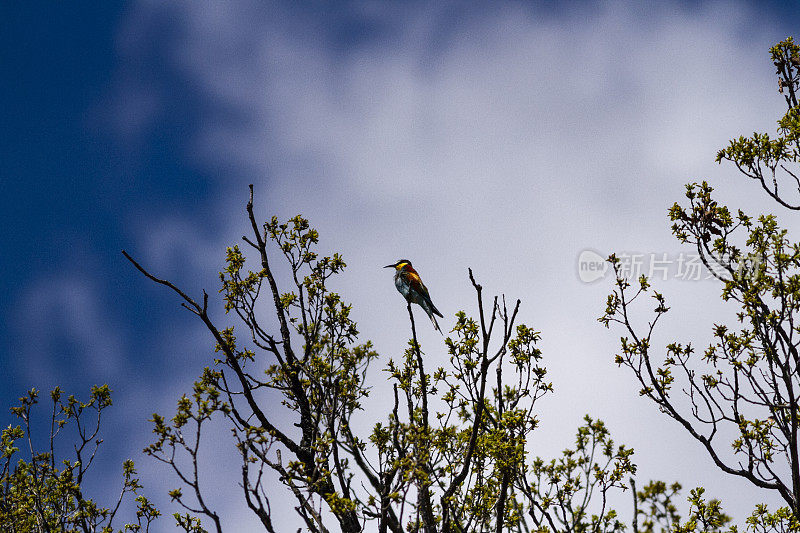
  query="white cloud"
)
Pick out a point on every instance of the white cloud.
point(174, 244)
point(508, 140)
point(62, 318)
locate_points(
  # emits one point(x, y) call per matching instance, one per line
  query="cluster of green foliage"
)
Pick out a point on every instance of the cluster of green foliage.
point(740, 397)
point(39, 493)
point(451, 454)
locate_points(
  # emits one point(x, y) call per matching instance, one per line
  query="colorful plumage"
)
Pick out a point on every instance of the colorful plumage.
point(410, 285)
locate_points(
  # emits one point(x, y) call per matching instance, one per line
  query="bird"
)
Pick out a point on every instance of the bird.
point(410, 285)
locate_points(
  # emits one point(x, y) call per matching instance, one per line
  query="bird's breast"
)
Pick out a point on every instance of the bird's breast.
point(402, 284)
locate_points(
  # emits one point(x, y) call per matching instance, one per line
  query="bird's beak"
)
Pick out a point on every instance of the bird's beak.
point(390, 266)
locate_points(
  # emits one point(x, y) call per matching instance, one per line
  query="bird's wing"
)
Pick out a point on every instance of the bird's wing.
point(423, 290)
point(430, 302)
point(416, 283)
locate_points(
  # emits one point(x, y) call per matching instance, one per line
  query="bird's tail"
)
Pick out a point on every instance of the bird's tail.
point(435, 324)
point(431, 310)
point(429, 307)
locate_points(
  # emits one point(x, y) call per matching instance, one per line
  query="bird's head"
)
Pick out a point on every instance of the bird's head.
point(400, 265)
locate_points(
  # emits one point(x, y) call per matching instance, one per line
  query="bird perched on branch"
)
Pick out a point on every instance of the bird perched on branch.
point(411, 287)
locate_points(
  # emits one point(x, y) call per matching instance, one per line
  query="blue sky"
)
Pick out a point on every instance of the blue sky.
point(73, 190)
point(507, 137)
